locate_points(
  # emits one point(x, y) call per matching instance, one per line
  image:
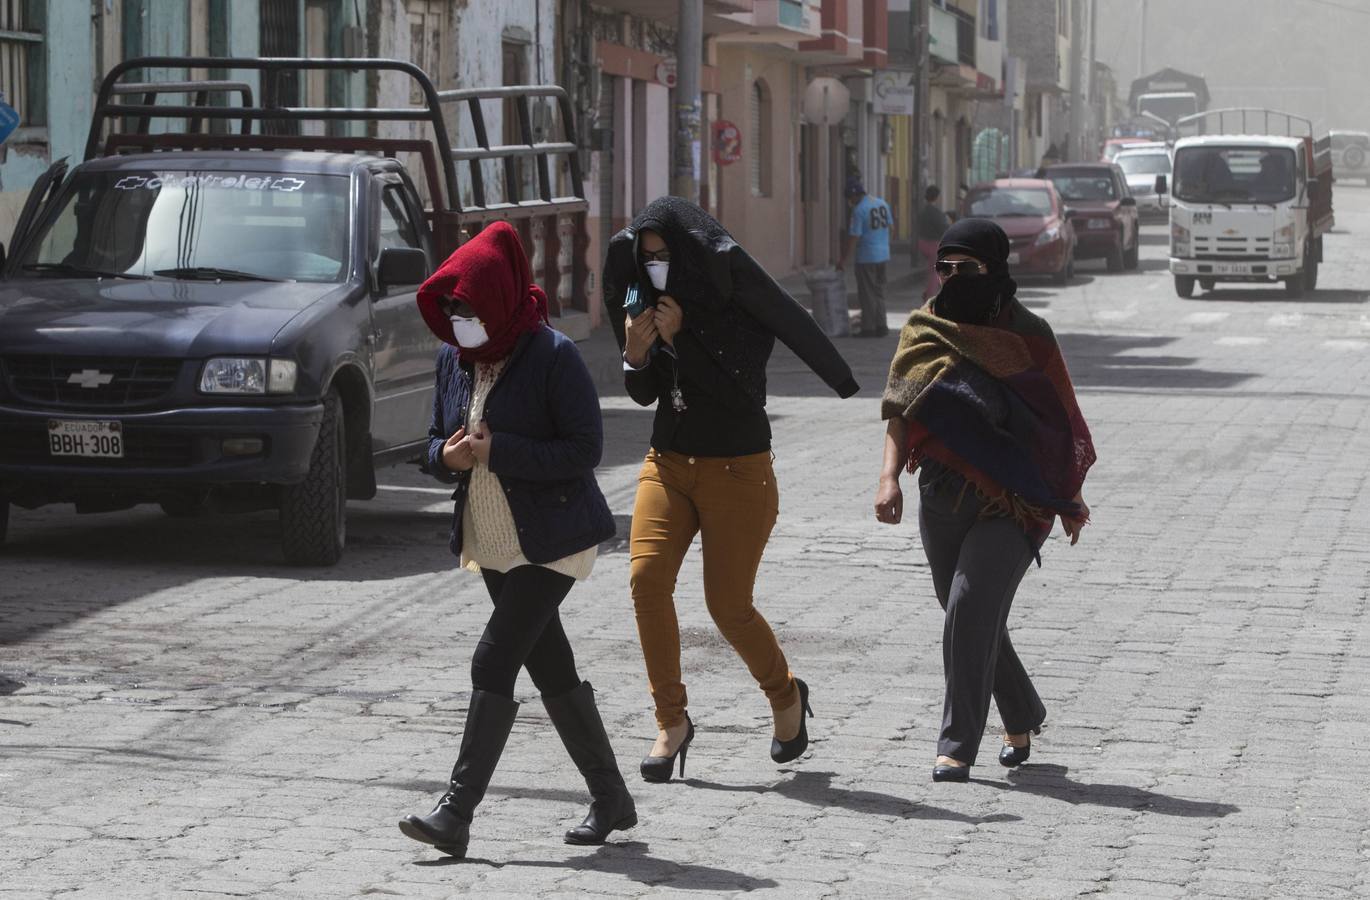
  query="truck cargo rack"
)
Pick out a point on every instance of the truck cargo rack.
point(125, 111)
point(1253, 121)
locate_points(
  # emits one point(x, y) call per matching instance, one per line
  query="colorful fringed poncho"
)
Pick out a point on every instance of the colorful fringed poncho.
point(1030, 466)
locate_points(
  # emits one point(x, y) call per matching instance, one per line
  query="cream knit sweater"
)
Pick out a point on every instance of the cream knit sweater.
point(489, 536)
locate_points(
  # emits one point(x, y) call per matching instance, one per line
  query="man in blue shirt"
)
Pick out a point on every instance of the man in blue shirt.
point(868, 241)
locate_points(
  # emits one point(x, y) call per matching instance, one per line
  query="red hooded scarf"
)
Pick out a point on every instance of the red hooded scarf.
point(489, 273)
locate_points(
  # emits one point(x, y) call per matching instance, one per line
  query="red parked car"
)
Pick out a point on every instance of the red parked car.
point(1036, 221)
point(1105, 219)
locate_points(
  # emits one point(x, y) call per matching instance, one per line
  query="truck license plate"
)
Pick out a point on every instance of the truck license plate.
point(95, 439)
point(1228, 269)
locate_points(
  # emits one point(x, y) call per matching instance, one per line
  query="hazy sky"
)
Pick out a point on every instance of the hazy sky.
point(1310, 57)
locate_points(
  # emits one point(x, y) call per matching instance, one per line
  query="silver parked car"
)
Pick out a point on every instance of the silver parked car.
point(1141, 165)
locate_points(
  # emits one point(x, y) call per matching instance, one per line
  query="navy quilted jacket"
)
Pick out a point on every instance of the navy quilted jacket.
point(548, 437)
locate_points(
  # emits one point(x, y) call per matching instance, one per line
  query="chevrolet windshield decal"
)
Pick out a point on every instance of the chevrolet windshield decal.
point(284, 183)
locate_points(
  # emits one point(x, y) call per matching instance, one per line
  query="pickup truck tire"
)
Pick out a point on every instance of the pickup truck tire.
point(1184, 286)
point(314, 512)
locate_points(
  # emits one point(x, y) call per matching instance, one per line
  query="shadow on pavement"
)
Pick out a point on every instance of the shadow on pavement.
point(1159, 239)
point(1275, 293)
point(1097, 360)
point(816, 788)
point(630, 860)
point(1051, 781)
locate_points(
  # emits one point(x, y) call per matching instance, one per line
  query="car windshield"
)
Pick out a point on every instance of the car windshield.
point(1145, 163)
point(195, 224)
point(1008, 202)
point(1234, 174)
point(1083, 184)
point(1170, 107)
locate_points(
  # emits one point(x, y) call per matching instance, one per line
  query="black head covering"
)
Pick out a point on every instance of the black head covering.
point(976, 299)
point(980, 238)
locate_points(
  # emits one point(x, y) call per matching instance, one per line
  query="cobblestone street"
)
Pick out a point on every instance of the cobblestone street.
point(183, 715)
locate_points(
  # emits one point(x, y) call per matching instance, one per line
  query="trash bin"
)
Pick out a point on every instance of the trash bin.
point(828, 288)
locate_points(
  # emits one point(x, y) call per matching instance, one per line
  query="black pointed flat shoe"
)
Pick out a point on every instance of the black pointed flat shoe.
point(788, 751)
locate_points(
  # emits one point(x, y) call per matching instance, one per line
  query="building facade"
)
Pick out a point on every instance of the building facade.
point(773, 177)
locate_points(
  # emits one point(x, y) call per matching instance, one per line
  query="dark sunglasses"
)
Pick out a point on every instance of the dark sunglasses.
point(947, 268)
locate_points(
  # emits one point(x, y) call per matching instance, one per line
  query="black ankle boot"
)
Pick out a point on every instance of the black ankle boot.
point(489, 719)
point(577, 720)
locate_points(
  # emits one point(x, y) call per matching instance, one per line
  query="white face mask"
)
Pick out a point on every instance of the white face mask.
point(469, 333)
point(656, 270)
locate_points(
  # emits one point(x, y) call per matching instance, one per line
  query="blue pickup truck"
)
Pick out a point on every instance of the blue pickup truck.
point(211, 319)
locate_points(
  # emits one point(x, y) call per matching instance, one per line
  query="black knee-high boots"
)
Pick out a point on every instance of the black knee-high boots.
point(577, 721)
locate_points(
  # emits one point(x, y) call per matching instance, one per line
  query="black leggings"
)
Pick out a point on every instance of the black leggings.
point(525, 631)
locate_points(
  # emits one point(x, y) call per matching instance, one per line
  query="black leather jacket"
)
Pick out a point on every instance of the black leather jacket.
point(732, 306)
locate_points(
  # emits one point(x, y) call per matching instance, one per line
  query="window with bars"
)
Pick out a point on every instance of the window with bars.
point(22, 59)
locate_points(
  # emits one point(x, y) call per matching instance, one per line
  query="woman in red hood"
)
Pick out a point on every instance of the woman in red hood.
point(516, 429)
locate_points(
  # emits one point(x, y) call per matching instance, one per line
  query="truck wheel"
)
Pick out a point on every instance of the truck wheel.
point(1131, 256)
point(1293, 287)
point(1184, 286)
point(1115, 257)
point(314, 512)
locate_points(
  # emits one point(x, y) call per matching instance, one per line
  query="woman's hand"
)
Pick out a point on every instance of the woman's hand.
point(1075, 525)
point(480, 443)
point(642, 333)
point(669, 318)
point(456, 452)
point(889, 501)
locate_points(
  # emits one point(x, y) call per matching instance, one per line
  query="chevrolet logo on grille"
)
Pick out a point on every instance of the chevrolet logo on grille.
point(90, 378)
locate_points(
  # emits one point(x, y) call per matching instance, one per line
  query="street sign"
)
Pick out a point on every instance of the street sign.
point(727, 143)
point(893, 93)
point(826, 102)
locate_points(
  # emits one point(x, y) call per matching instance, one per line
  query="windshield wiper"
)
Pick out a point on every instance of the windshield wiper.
point(211, 273)
point(79, 271)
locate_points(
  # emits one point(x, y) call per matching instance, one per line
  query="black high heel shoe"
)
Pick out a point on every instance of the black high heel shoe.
point(786, 751)
point(657, 769)
point(950, 773)
point(1011, 756)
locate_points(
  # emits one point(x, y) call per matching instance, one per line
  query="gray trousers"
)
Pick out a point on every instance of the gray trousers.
point(870, 293)
point(976, 567)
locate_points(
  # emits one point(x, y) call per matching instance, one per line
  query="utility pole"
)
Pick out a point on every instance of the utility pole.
point(1141, 46)
point(689, 56)
point(922, 122)
point(1077, 65)
point(1096, 115)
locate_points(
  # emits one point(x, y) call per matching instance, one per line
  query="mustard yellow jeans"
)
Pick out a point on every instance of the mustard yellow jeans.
point(732, 504)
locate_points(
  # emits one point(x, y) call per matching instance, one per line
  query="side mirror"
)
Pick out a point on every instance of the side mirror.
point(1162, 185)
point(1128, 201)
point(401, 266)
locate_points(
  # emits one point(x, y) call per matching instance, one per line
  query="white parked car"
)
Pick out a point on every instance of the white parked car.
point(1350, 155)
point(1141, 165)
